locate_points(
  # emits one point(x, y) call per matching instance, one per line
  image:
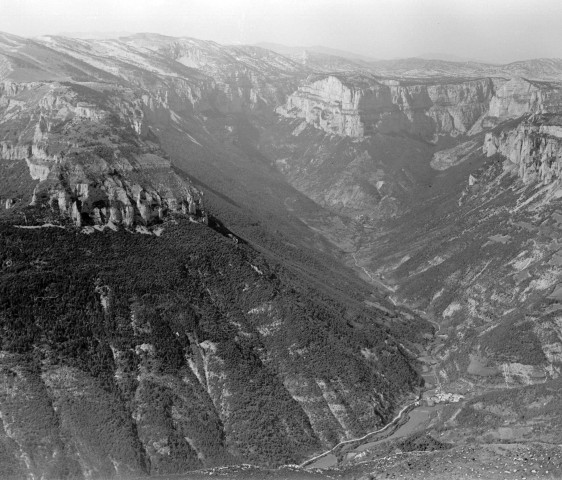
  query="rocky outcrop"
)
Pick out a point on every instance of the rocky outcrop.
point(533, 149)
point(359, 105)
point(333, 104)
point(456, 107)
point(89, 158)
point(120, 202)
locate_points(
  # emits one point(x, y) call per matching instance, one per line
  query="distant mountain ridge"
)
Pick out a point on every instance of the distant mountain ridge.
point(434, 65)
point(295, 51)
point(319, 58)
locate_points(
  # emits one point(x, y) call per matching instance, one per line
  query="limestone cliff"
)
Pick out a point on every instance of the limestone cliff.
point(533, 149)
point(88, 154)
point(356, 105)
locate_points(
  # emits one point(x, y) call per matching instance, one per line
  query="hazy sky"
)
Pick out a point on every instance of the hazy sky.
point(490, 30)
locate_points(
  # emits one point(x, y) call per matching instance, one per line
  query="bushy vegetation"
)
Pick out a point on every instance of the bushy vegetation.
point(514, 342)
point(530, 401)
point(72, 299)
point(422, 442)
point(536, 405)
point(477, 418)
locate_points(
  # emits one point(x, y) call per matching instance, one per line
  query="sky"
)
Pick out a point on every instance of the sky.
point(497, 31)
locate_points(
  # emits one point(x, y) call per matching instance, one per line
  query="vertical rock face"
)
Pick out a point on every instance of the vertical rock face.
point(515, 98)
point(456, 107)
point(533, 149)
point(338, 105)
point(359, 105)
point(91, 159)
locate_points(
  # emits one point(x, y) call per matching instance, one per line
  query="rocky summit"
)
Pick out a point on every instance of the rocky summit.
point(226, 260)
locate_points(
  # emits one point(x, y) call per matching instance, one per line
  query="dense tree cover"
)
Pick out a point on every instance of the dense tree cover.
point(526, 402)
point(514, 342)
point(423, 442)
point(73, 299)
point(473, 417)
point(536, 405)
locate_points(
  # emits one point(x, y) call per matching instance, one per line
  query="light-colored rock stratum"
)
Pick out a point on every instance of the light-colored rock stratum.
point(90, 161)
point(357, 105)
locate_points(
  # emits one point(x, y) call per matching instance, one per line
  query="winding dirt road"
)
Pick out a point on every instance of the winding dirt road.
point(404, 410)
point(395, 420)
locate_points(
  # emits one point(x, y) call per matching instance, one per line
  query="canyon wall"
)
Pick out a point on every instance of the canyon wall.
point(90, 161)
point(358, 105)
point(533, 149)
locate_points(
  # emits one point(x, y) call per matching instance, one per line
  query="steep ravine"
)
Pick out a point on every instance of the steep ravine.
point(137, 340)
point(367, 147)
point(482, 257)
point(473, 235)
